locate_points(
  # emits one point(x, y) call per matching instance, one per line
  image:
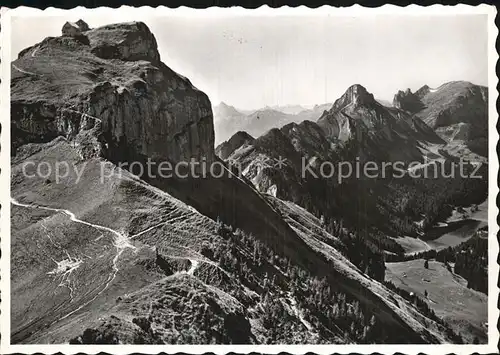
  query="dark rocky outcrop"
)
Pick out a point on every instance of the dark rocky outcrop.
point(240, 138)
point(408, 101)
point(74, 29)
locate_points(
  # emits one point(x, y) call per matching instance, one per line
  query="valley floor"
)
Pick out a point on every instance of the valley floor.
point(466, 310)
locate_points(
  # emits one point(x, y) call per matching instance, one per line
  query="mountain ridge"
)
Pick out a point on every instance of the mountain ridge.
point(456, 110)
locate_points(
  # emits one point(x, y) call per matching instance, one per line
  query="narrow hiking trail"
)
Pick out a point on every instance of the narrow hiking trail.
point(120, 241)
point(65, 268)
point(169, 221)
point(22, 70)
point(82, 113)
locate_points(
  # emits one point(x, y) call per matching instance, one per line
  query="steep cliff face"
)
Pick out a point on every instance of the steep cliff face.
point(353, 113)
point(356, 129)
point(110, 80)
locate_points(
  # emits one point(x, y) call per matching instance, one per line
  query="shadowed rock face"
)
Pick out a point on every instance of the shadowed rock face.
point(114, 84)
point(408, 101)
point(225, 149)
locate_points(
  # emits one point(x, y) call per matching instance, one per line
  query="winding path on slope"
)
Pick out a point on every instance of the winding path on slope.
point(121, 242)
point(22, 70)
point(82, 113)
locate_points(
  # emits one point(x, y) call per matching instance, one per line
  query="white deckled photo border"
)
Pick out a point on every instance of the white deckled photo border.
point(414, 10)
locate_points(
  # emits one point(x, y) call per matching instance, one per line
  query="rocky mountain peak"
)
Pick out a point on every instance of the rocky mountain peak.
point(136, 105)
point(225, 110)
point(424, 90)
point(129, 41)
point(240, 138)
point(355, 95)
point(407, 100)
point(242, 135)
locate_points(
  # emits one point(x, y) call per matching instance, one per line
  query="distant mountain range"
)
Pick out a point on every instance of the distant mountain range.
point(288, 109)
point(456, 113)
point(228, 120)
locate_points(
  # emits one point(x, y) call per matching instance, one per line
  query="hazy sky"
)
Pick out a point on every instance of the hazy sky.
point(251, 62)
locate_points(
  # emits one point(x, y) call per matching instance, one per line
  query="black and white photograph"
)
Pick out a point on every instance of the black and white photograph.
point(277, 178)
